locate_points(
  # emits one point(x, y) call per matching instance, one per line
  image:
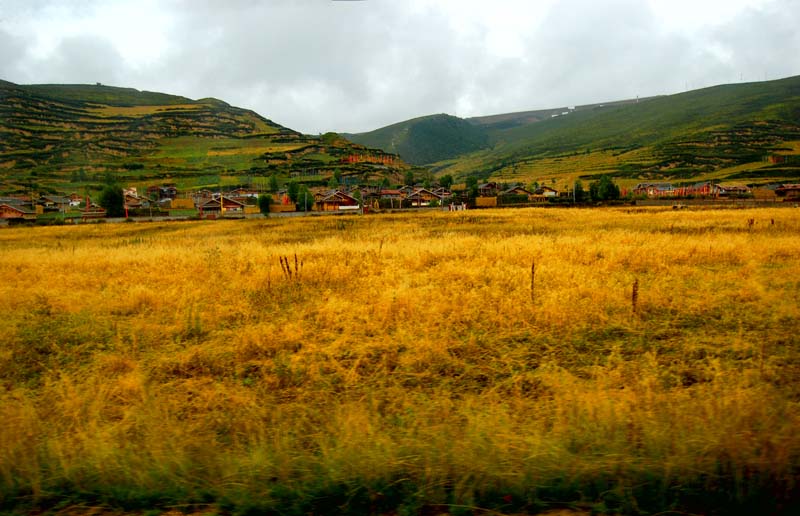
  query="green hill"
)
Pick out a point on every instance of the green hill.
point(717, 132)
point(499, 125)
point(69, 138)
point(427, 139)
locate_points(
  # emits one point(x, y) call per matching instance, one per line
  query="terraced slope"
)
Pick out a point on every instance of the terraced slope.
point(71, 137)
point(690, 136)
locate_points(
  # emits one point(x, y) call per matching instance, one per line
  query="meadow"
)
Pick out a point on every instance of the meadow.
point(619, 361)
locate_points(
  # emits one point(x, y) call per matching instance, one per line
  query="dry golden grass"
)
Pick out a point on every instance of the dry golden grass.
point(400, 364)
point(115, 111)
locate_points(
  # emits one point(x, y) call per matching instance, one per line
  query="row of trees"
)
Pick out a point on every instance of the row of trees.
point(298, 194)
point(604, 189)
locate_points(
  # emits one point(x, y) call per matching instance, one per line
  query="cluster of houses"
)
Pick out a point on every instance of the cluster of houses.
point(244, 201)
point(709, 189)
point(341, 199)
point(706, 188)
point(26, 207)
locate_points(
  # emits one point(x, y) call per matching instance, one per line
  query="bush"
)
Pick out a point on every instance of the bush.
point(513, 199)
point(264, 202)
point(113, 201)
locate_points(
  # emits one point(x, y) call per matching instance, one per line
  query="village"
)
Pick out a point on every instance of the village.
point(167, 201)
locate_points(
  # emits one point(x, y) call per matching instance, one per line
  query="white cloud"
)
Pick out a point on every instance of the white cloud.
point(353, 66)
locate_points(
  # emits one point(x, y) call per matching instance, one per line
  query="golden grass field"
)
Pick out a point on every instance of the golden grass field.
point(404, 364)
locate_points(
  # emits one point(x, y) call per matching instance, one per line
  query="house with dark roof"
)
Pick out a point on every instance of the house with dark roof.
point(788, 191)
point(55, 203)
point(517, 190)
point(654, 189)
point(220, 205)
point(422, 197)
point(442, 192)
point(389, 193)
point(336, 200)
point(162, 192)
point(545, 191)
point(730, 190)
point(16, 212)
point(488, 189)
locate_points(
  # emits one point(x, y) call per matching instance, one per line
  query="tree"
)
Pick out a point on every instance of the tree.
point(264, 201)
point(579, 193)
point(410, 178)
point(330, 138)
point(333, 184)
point(357, 195)
point(446, 181)
point(607, 190)
point(273, 183)
point(113, 201)
point(337, 175)
point(472, 186)
point(594, 191)
point(603, 190)
point(305, 199)
point(293, 189)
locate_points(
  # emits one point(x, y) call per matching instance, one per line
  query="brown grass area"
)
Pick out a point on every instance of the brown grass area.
point(794, 146)
point(114, 111)
point(401, 364)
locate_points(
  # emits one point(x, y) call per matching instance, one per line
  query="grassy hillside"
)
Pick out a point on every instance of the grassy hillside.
point(427, 139)
point(679, 137)
point(63, 138)
point(497, 125)
point(404, 365)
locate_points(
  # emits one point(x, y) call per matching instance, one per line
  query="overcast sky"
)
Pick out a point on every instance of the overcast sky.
point(351, 66)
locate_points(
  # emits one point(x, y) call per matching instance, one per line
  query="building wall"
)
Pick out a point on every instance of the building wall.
point(281, 208)
point(182, 204)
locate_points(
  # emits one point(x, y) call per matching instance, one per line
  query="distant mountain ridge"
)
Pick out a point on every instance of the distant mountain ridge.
point(428, 139)
point(688, 135)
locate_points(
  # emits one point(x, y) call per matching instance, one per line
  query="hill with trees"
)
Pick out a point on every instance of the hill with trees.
point(427, 139)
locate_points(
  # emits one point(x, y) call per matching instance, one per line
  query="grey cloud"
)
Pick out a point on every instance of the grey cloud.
point(358, 66)
point(82, 59)
point(763, 42)
point(377, 62)
point(354, 66)
point(12, 53)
